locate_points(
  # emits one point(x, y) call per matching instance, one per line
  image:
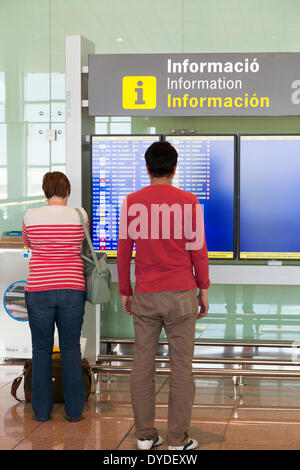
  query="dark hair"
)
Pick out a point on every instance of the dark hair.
point(161, 159)
point(56, 184)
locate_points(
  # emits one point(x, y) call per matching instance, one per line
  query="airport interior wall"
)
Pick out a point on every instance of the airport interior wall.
point(32, 100)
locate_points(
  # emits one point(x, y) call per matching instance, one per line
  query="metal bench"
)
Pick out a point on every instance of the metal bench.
point(235, 367)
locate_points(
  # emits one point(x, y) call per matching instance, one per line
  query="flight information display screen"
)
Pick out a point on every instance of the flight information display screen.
point(269, 197)
point(118, 168)
point(205, 168)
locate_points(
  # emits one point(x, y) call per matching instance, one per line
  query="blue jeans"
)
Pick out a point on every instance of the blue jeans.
point(65, 307)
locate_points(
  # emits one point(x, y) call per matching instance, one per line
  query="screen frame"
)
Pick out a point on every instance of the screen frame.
point(235, 186)
point(274, 258)
point(110, 258)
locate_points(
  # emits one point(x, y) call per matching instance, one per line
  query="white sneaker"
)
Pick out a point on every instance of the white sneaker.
point(147, 444)
point(192, 444)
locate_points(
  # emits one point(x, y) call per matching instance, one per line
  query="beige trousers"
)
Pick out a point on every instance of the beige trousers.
point(176, 311)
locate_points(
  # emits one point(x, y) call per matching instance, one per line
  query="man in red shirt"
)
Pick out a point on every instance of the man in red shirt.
point(166, 225)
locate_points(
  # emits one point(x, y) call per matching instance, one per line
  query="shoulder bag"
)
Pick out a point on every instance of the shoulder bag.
point(96, 271)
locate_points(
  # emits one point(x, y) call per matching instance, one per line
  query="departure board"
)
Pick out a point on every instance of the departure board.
point(269, 197)
point(205, 168)
point(118, 168)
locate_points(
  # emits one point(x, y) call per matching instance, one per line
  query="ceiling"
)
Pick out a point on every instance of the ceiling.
point(32, 32)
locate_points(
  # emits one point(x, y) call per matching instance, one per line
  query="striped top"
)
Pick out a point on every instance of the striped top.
point(54, 234)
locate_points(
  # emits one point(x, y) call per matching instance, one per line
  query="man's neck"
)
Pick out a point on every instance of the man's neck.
point(155, 181)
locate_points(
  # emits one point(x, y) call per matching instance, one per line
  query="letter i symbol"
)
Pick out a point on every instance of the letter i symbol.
point(139, 93)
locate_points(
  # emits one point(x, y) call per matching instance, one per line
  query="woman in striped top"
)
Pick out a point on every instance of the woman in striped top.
point(55, 294)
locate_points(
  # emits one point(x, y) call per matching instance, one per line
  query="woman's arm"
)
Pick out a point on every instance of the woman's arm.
point(25, 235)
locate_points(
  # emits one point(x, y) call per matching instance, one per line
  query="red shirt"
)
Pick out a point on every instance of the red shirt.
point(54, 234)
point(163, 260)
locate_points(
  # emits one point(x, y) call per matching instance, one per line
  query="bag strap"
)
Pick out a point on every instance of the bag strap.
point(99, 271)
point(14, 388)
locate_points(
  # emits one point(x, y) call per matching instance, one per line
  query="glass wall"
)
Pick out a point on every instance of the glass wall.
point(32, 72)
point(31, 102)
point(32, 97)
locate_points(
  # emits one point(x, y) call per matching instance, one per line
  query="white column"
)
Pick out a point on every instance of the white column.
point(78, 123)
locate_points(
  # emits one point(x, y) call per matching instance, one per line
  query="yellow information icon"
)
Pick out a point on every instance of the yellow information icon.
point(139, 92)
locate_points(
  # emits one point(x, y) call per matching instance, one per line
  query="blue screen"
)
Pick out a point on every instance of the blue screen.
point(205, 167)
point(269, 197)
point(118, 168)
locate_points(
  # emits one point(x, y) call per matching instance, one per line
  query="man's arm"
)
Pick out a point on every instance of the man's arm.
point(200, 263)
point(199, 258)
point(124, 254)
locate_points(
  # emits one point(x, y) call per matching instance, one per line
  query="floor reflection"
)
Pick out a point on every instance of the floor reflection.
point(263, 414)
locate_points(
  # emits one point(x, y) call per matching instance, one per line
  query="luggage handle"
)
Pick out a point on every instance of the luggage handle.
point(14, 388)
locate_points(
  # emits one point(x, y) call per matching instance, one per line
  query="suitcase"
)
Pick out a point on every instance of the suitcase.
point(58, 394)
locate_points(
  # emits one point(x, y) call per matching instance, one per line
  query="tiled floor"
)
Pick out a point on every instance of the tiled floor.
point(264, 415)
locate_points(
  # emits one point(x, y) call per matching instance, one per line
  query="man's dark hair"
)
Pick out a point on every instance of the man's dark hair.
point(161, 159)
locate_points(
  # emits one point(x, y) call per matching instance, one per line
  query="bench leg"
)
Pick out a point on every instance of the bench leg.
point(235, 392)
point(98, 390)
point(241, 383)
